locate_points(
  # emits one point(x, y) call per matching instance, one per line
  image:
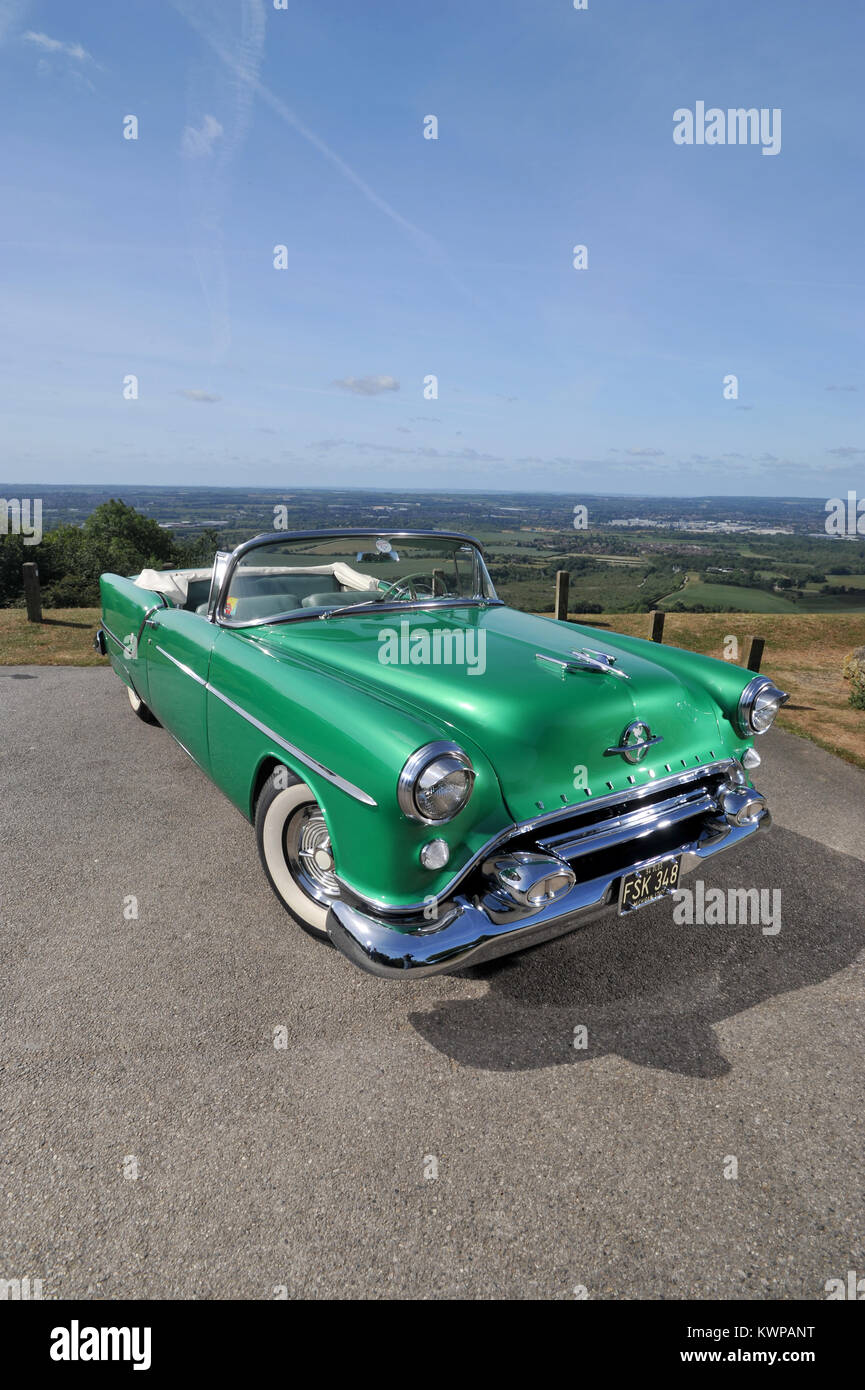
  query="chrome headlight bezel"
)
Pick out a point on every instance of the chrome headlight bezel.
point(450, 755)
point(759, 686)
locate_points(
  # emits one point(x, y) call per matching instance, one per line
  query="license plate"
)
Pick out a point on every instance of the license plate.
point(648, 884)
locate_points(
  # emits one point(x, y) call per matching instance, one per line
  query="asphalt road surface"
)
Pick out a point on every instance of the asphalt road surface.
point(154, 1143)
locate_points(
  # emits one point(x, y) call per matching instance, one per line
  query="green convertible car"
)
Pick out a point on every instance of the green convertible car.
point(434, 778)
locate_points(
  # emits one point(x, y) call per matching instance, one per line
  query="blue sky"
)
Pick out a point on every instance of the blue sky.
point(408, 257)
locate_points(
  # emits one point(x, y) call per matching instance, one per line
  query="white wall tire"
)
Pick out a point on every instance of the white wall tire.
point(144, 712)
point(294, 848)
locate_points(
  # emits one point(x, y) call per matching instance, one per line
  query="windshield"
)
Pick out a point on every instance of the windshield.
point(329, 576)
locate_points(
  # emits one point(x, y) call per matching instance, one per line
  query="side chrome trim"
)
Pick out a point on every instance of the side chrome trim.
point(108, 633)
point(187, 670)
point(325, 772)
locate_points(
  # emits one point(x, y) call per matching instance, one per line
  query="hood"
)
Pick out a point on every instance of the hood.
point(538, 726)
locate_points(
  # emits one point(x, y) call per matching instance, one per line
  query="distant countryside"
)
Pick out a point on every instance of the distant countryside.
point(634, 554)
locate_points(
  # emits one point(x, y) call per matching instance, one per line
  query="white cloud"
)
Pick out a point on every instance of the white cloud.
point(197, 143)
point(192, 394)
point(49, 45)
point(368, 385)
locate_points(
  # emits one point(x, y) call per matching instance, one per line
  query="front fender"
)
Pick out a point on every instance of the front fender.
point(349, 745)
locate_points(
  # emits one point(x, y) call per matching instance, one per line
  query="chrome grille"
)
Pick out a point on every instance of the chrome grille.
point(630, 825)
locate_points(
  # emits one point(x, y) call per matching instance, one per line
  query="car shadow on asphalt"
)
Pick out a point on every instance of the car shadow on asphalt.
point(651, 990)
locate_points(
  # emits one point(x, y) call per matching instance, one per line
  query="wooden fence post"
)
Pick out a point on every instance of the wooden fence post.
point(563, 580)
point(32, 592)
point(755, 653)
point(656, 625)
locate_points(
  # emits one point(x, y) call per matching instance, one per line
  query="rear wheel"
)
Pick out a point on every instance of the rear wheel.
point(294, 847)
point(143, 711)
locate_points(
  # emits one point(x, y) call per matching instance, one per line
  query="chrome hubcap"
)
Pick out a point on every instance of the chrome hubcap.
point(308, 854)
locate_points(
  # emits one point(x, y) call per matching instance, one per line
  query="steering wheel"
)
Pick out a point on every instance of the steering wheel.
point(410, 584)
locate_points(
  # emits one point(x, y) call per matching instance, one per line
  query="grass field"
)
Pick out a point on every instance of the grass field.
point(804, 653)
point(731, 595)
point(836, 603)
point(850, 581)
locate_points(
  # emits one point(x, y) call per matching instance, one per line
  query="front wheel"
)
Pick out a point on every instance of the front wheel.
point(294, 848)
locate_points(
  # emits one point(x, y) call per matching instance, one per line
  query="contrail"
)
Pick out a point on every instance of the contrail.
point(209, 181)
point(425, 243)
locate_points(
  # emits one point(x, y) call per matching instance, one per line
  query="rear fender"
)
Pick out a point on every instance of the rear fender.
point(125, 610)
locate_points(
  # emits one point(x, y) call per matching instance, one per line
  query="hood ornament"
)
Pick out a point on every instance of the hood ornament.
point(586, 659)
point(635, 742)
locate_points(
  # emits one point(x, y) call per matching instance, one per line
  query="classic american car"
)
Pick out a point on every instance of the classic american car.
point(436, 779)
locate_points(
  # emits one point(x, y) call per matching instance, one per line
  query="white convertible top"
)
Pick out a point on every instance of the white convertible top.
point(174, 584)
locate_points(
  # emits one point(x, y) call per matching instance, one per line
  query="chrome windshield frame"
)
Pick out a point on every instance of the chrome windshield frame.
point(354, 533)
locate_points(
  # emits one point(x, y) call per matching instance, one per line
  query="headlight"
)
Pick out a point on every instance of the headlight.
point(435, 783)
point(759, 702)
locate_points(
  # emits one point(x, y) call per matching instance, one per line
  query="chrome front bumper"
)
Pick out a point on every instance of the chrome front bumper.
point(481, 928)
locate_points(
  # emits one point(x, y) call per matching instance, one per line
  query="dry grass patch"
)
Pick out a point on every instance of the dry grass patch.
point(63, 638)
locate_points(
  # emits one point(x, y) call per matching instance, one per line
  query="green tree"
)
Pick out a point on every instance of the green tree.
point(115, 538)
